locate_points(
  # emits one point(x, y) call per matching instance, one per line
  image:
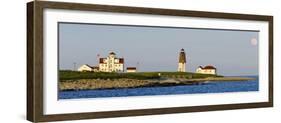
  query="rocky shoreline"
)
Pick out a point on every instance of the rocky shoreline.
point(92, 84)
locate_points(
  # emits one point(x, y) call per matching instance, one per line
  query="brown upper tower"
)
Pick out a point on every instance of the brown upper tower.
point(182, 58)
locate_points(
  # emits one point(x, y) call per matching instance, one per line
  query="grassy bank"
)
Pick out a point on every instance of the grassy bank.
point(73, 80)
point(75, 75)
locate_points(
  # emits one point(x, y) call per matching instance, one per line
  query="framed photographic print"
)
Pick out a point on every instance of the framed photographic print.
point(89, 61)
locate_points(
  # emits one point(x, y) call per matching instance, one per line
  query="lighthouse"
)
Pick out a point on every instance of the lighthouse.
point(182, 61)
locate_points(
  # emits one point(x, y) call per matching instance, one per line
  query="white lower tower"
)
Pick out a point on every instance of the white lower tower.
point(181, 67)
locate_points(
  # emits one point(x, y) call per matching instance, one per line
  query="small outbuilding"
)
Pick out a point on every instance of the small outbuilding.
point(206, 70)
point(131, 69)
point(87, 67)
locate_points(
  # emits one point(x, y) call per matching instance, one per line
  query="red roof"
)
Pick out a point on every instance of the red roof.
point(121, 60)
point(112, 53)
point(101, 60)
point(88, 65)
point(207, 67)
point(131, 68)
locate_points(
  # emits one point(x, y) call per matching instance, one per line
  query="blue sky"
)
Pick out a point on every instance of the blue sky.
point(232, 52)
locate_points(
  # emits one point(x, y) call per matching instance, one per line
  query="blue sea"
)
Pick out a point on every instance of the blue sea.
point(209, 87)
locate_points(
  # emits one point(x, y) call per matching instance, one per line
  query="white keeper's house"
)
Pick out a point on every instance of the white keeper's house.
point(206, 70)
point(111, 63)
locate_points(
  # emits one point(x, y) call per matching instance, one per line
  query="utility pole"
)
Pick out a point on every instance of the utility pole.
point(74, 66)
point(137, 67)
point(98, 58)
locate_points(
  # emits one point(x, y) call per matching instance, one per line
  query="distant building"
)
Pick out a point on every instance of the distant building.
point(131, 69)
point(206, 70)
point(111, 63)
point(182, 61)
point(108, 64)
point(87, 67)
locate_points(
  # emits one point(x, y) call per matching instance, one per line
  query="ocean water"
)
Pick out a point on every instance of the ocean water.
point(210, 87)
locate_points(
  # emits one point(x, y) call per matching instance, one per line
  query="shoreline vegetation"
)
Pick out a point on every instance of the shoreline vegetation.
point(73, 80)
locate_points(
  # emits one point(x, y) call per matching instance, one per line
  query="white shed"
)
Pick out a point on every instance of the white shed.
point(206, 70)
point(85, 67)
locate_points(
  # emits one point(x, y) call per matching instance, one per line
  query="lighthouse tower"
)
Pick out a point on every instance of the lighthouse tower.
point(182, 61)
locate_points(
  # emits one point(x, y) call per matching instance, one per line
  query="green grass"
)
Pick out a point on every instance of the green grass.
point(187, 75)
point(74, 75)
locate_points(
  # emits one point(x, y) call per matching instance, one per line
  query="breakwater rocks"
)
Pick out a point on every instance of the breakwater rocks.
point(88, 84)
point(83, 84)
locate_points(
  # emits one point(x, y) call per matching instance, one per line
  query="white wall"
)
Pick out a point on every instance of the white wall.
point(13, 61)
